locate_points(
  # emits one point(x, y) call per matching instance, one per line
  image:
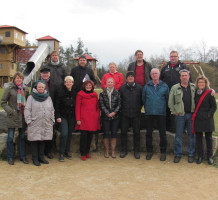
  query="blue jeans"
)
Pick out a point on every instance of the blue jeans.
point(67, 125)
point(182, 122)
point(10, 144)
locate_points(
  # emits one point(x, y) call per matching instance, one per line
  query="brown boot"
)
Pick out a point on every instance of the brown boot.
point(113, 147)
point(106, 147)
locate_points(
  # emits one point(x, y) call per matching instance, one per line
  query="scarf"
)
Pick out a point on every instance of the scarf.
point(21, 99)
point(55, 63)
point(109, 92)
point(38, 96)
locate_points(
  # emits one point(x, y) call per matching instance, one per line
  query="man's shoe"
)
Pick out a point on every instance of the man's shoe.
point(61, 158)
point(10, 161)
point(44, 161)
point(36, 163)
point(49, 155)
point(199, 160)
point(162, 157)
point(137, 155)
point(210, 161)
point(24, 160)
point(123, 154)
point(68, 156)
point(148, 156)
point(176, 159)
point(191, 159)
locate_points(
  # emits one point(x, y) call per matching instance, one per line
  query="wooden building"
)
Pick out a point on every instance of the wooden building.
point(11, 39)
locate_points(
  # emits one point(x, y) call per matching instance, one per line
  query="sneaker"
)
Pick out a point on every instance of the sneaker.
point(148, 156)
point(210, 161)
point(177, 159)
point(83, 158)
point(162, 157)
point(68, 156)
point(191, 159)
point(137, 155)
point(123, 154)
point(61, 158)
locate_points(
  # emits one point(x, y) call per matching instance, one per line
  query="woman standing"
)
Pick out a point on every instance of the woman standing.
point(87, 116)
point(113, 73)
point(39, 116)
point(65, 114)
point(110, 104)
point(203, 122)
point(13, 102)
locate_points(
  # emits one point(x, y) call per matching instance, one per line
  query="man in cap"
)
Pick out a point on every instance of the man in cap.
point(131, 104)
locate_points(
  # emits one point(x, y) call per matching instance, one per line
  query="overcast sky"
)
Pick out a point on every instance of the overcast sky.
point(114, 29)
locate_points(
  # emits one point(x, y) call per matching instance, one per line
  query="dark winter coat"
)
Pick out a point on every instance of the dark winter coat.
point(170, 75)
point(131, 100)
point(87, 111)
point(78, 73)
point(58, 73)
point(204, 121)
point(104, 104)
point(147, 69)
point(155, 99)
point(65, 101)
point(15, 118)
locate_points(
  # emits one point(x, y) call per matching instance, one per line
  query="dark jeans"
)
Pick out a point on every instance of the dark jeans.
point(85, 142)
point(37, 148)
point(126, 122)
point(170, 121)
point(111, 125)
point(161, 124)
point(67, 126)
point(50, 144)
point(199, 144)
point(10, 144)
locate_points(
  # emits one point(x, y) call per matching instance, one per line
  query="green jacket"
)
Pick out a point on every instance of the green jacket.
point(15, 118)
point(175, 102)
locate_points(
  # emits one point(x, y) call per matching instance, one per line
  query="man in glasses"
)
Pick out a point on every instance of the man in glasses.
point(171, 76)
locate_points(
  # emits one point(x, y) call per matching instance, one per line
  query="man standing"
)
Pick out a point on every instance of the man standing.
point(155, 97)
point(170, 75)
point(182, 105)
point(131, 104)
point(141, 68)
point(82, 73)
point(55, 78)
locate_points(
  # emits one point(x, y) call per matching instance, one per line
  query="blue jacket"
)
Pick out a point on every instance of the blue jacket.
point(155, 99)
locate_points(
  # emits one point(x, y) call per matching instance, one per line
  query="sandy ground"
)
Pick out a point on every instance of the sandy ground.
point(105, 179)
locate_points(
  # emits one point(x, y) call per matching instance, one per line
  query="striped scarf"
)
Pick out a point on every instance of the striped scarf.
point(21, 99)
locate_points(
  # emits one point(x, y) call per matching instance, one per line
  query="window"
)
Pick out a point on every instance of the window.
point(1, 66)
point(16, 35)
point(12, 66)
point(8, 34)
point(3, 50)
point(22, 38)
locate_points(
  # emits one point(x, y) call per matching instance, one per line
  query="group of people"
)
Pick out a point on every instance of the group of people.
point(72, 103)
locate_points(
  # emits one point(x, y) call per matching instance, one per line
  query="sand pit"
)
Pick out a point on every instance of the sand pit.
point(105, 179)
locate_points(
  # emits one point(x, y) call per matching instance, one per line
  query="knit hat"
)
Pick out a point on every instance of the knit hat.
point(45, 69)
point(130, 73)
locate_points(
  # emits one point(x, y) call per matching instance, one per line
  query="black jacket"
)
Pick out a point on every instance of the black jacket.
point(58, 73)
point(204, 121)
point(78, 73)
point(131, 100)
point(147, 69)
point(104, 104)
point(170, 75)
point(65, 101)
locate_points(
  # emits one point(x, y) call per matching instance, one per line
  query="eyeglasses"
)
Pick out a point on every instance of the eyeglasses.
point(173, 56)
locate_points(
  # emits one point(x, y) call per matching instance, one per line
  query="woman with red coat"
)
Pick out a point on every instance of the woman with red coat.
point(87, 116)
point(113, 73)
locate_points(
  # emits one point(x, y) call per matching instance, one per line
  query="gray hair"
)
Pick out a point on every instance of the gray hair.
point(155, 69)
point(184, 70)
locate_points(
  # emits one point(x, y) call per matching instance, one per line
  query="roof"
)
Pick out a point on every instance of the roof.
point(48, 37)
point(88, 57)
point(23, 55)
point(8, 26)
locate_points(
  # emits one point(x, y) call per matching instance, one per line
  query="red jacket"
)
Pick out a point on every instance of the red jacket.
point(87, 111)
point(118, 79)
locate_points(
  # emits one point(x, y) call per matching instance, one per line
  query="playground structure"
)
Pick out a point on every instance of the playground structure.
point(13, 50)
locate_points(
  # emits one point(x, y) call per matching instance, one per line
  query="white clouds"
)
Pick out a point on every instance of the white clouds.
point(114, 29)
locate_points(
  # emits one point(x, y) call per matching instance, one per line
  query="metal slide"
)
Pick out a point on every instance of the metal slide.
point(35, 63)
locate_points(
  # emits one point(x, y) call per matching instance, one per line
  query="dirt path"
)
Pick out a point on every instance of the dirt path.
point(109, 179)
